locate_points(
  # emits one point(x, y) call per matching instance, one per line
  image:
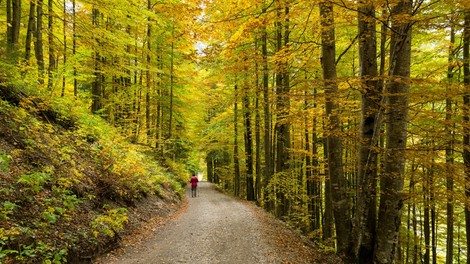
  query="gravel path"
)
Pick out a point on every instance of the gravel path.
point(217, 228)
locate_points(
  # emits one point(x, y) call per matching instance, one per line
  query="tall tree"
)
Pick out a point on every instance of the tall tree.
point(338, 183)
point(38, 45)
point(31, 29)
point(13, 25)
point(236, 161)
point(97, 85)
point(365, 222)
point(268, 152)
point(450, 152)
point(466, 117)
point(248, 139)
point(392, 179)
point(50, 37)
point(282, 126)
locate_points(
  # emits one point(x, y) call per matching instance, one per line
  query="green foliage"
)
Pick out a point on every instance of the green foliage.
point(4, 165)
point(61, 175)
point(34, 181)
point(110, 223)
point(6, 210)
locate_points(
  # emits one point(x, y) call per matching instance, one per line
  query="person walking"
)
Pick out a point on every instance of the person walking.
point(194, 180)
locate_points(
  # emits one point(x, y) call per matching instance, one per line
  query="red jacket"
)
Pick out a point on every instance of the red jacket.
point(194, 181)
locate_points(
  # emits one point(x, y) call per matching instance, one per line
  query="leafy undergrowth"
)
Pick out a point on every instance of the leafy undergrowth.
point(69, 184)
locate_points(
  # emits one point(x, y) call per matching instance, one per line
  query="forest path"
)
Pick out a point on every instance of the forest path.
point(217, 228)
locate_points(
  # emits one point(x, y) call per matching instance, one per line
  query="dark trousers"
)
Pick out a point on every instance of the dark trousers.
point(193, 191)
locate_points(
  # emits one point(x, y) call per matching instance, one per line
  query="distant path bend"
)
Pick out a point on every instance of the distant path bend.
point(217, 228)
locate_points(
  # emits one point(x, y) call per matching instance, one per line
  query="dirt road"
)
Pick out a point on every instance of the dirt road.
point(217, 228)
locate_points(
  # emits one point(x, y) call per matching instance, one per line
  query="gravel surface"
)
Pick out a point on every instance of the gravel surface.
point(217, 228)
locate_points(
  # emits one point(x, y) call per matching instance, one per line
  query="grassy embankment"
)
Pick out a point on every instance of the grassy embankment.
point(70, 184)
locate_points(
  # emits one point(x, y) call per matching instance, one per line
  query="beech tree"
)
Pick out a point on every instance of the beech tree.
point(392, 179)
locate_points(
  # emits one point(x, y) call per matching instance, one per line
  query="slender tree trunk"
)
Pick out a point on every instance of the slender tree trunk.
point(172, 80)
point(268, 152)
point(64, 32)
point(258, 173)
point(96, 90)
point(250, 192)
point(13, 26)
point(391, 197)
point(50, 37)
point(38, 46)
point(315, 181)
point(308, 170)
point(282, 127)
point(340, 208)
point(426, 223)
point(236, 162)
point(450, 154)
point(466, 118)
point(74, 46)
point(328, 222)
point(31, 30)
point(366, 216)
point(148, 75)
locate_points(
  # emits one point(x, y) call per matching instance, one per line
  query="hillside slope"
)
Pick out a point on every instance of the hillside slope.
point(70, 185)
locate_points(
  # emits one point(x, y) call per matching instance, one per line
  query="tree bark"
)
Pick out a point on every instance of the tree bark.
point(38, 46)
point(391, 197)
point(13, 26)
point(148, 75)
point(31, 30)
point(50, 37)
point(236, 162)
point(363, 240)
point(96, 90)
point(74, 46)
point(258, 173)
point(450, 154)
point(64, 33)
point(282, 127)
point(250, 192)
point(466, 118)
point(338, 182)
point(268, 152)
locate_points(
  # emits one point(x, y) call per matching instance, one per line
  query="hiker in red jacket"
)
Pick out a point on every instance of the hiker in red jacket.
point(193, 182)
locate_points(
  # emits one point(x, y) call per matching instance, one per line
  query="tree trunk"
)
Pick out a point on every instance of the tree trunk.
point(74, 46)
point(282, 127)
point(466, 118)
point(172, 80)
point(308, 170)
point(31, 30)
point(340, 208)
point(391, 197)
point(316, 180)
point(365, 222)
point(426, 223)
point(450, 155)
point(38, 46)
point(250, 192)
point(258, 172)
point(13, 26)
point(96, 90)
point(148, 75)
point(268, 152)
point(328, 218)
point(64, 33)
point(50, 37)
point(236, 162)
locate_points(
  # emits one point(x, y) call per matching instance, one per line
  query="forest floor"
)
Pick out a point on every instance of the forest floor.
point(216, 228)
